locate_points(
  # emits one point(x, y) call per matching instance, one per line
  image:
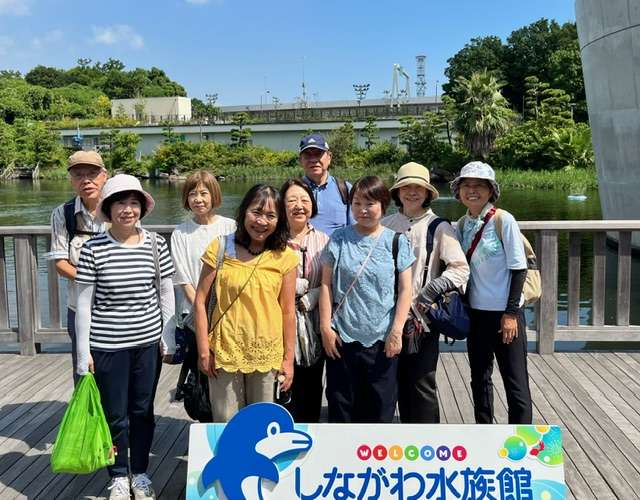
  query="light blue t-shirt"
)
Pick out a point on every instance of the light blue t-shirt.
point(332, 212)
point(368, 310)
point(492, 260)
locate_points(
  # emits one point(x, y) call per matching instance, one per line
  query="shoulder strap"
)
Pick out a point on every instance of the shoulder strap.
point(343, 189)
point(70, 221)
point(394, 251)
point(497, 220)
point(478, 235)
point(156, 264)
point(431, 231)
point(220, 253)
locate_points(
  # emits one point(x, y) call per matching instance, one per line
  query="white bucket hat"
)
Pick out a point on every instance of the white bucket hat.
point(476, 170)
point(120, 183)
point(414, 173)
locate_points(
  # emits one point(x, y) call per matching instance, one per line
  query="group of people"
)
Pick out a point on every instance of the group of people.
point(311, 278)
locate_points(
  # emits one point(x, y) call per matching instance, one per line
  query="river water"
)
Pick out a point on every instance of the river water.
point(27, 203)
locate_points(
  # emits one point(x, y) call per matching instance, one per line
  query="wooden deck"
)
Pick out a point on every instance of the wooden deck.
point(595, 397)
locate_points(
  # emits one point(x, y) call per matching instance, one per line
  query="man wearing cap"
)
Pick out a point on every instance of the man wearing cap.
point(74, 222)
point(331, 194)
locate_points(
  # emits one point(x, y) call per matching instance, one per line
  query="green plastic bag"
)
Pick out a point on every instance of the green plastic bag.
point(83, 444)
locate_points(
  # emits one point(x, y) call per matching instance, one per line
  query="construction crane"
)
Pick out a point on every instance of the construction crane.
point(396, 93)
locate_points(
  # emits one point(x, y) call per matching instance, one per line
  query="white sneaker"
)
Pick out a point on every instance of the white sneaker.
point(142, 488)
point(119, 488)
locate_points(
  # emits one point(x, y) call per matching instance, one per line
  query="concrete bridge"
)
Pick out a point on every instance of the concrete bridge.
point(277, 136)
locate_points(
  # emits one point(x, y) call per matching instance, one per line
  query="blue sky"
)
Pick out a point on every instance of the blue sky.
point(241, 49)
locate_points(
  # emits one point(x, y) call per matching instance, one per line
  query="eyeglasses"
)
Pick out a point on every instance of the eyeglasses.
point(85, 174)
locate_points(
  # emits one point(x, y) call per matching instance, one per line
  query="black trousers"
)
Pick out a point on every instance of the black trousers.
point(127, 380)
point(306, 393)
point(362, 385)
point(485, 342)
point(417, 389)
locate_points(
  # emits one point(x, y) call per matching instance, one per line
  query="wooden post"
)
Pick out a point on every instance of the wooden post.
point(599, 277)
point(4, 295)
point(548, 263)
point(573, 285)
point(54, 292)
point(24, 250)
point(623, 300)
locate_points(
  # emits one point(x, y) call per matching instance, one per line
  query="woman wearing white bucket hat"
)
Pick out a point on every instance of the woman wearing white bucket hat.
point(441, 270)
point(124, 321)
point(498, 271)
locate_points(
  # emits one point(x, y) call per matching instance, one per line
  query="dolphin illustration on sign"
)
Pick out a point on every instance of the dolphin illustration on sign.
point(248, 448)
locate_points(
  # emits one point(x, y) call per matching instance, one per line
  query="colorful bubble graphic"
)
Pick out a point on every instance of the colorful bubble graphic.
point(514, 449)
point(541, 442)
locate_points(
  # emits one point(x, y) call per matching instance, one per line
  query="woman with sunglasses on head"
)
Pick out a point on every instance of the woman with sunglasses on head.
point(361, 316)
point(250, 337)
point(299, 205)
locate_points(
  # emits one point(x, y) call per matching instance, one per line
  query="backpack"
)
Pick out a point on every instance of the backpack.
point(532, 289)
point(343, 189)
point(70, 221)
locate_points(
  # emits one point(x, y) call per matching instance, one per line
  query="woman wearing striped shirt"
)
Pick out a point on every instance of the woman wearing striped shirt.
point(299, 206)
point(123, 325)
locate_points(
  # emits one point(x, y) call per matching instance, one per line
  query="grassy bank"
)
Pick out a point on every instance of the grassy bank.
point(574, 181)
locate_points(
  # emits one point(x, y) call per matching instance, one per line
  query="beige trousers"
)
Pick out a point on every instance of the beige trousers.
point(232, 391)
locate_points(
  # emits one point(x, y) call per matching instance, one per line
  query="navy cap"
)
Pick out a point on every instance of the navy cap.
point(314, 141)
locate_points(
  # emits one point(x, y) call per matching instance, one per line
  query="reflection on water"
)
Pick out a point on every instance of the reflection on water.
point(27, 203)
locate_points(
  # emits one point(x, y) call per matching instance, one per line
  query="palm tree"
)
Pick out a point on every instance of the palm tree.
point(483, 113)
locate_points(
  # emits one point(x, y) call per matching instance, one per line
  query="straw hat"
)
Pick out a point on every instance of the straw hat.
point(414, 173)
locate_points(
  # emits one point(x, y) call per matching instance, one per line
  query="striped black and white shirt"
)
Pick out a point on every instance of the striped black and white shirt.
point(125, 310)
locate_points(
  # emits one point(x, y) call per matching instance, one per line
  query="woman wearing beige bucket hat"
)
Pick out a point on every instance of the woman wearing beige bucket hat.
point(498, 271)
point(124, 322)
point(442, 269)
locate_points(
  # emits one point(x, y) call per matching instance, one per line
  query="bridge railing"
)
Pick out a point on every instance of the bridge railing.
point(29, 285)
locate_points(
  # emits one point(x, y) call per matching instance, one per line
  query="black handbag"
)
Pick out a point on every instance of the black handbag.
point(196, 396)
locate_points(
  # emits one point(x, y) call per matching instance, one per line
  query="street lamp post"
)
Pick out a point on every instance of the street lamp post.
point(361, 90)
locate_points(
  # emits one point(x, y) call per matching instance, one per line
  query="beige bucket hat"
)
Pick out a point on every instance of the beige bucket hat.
point(414, 173)
point(123, 182)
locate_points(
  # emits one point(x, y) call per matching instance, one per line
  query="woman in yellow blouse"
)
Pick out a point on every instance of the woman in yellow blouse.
point(251, 337)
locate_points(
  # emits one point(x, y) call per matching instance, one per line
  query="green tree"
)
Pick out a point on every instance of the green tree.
point(421, 137)
point(35, 144)
point(7, 145)
point(483, 113)
point(46, 76)
point(370, 132)
point(241, 136)
point(122, 152)
point(484, 53)
point(343, 144)
point(530, 52)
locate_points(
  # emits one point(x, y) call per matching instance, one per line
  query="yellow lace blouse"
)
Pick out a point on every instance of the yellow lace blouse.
point(248, 337)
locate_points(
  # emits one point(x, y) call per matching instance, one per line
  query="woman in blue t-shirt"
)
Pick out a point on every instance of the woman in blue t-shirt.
point(498, 270)
point(361, 315)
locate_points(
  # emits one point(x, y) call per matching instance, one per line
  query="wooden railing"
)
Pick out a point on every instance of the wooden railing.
point(29, 332)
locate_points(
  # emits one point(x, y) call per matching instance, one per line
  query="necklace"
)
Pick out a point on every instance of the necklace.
point(248, 249)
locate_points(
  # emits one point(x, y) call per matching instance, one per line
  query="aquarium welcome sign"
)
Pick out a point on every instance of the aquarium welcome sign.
point(262, 454)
